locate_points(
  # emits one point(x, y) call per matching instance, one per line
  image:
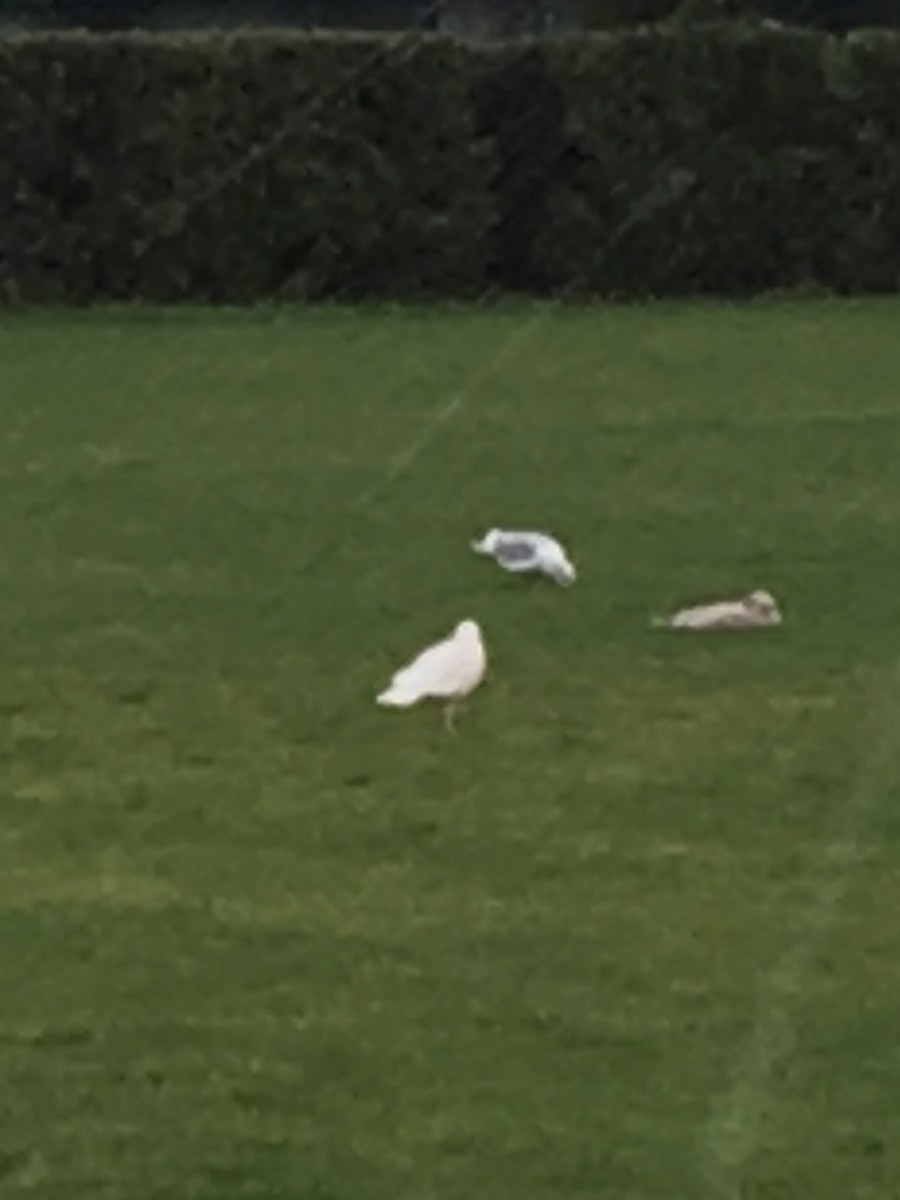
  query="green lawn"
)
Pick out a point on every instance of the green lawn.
point(633, 933)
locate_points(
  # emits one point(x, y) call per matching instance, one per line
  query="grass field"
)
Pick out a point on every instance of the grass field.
point(633, 933)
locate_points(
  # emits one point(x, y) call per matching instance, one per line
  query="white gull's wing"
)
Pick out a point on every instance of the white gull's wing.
point(452, 667)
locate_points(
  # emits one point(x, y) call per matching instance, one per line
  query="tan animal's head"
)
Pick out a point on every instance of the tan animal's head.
point(763, 603)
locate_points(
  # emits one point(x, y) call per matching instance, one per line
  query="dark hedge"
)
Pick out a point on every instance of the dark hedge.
point(236, 168)
point(720, 159)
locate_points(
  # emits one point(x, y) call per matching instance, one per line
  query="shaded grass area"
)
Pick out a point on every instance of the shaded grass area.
point(262, 939)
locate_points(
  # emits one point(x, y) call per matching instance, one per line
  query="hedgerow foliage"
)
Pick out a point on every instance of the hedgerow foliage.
point(235, 168)
point(719, 159)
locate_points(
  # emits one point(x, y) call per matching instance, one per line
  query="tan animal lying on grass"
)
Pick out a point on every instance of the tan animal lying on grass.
point(756, 611)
